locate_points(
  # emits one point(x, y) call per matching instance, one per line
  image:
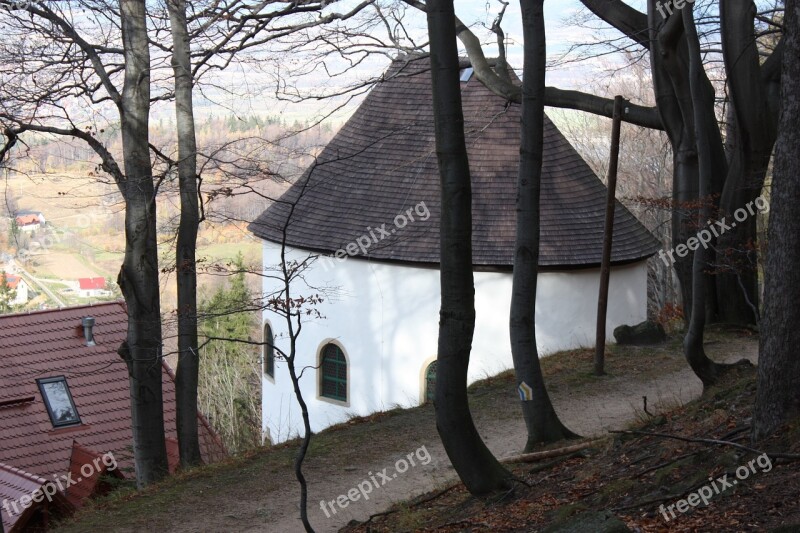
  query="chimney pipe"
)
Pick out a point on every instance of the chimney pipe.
point(88, 323)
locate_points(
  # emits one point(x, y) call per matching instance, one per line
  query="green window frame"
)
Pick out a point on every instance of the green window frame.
point(333, 373)
point(269, 351)
point(430, 382)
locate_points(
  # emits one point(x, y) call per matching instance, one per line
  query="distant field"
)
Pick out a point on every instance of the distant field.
point(62, 265)
point(66, 201)
point(85, 236)
point(251, 250)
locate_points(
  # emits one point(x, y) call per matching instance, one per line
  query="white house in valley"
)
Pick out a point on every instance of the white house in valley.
point(369, 209)
point(92, 288)
point(28, 221)
point(20, 288)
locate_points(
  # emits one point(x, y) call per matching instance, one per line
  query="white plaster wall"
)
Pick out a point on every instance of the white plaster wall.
point(385, 317)
point(22, 293)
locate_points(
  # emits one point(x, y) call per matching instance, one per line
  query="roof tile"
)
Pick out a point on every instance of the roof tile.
point(49, 344)
point(383, 161)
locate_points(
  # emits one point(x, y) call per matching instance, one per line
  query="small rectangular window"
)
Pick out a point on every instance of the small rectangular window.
point(58, 400)
point(466, 73)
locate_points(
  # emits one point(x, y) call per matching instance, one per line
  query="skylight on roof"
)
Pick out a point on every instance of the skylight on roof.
point(58, 400)
point(466, 73)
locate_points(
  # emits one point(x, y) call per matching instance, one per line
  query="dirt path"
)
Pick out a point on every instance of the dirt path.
point(612, 408)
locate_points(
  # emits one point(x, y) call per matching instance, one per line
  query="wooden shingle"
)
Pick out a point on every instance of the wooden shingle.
point(383, 162)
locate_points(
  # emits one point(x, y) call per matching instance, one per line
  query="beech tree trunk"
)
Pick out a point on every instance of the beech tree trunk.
point(138, 277)
point(706, 369)
point(540, 417)
point(663, 36)
point(186, 375)
point(671, 100)
point(755, 115)
point(778, 396)
point(476, 466)
point(670, 63)
point(733, 295)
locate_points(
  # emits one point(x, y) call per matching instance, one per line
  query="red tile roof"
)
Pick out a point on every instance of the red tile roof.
point(12, 281)
point(49, 344)
point(27, 220)
point(87, 486)
point(15, 485)
point(88, 284)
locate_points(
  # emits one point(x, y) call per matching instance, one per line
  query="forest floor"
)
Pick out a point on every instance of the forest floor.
point(631, 475)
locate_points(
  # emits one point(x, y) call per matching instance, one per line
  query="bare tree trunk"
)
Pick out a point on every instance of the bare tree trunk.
point(754, 138)
point(753, 98)
point(292, 310)
point(674, 106)
point(188, 368)
point(305, 443)
point(138, 277)
point(663, 35)
point(540, 417)
point(778, 396)
point(476, 466)
point(736, 263)
point(670, 59)
point(706, 369)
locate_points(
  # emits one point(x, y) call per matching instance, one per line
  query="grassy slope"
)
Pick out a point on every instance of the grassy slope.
point(632, 476)
point(259, 473)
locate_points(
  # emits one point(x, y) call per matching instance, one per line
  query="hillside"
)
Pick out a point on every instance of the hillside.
point(658, 476)
point(257, 491)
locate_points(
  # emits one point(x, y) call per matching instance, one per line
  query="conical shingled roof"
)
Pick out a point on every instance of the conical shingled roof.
point(383, 162)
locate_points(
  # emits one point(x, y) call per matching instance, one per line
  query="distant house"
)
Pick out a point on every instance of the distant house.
point(21, 287)
point(28, 222)
point(370, 207)
point(65, 411)
point(92, 288)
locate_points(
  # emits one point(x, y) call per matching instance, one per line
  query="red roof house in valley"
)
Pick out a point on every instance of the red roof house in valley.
point(89, 287)
point(12, 281)
point(28, 222)
point(92, 283)
point(65, 420)
point(18, 285)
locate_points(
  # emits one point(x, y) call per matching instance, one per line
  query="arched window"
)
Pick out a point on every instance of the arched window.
point(333, 373)
point(430, 382)
point(269, 351)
